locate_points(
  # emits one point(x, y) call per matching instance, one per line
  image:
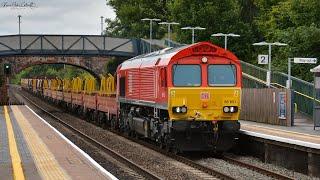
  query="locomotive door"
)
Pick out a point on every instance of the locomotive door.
point(162, 85)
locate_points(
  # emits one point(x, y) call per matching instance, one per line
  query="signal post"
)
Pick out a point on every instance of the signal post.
point(4, 76)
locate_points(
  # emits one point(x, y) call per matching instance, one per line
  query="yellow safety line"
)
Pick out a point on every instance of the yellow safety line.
point(286, 131)
point(14, 153)
point(45, 161)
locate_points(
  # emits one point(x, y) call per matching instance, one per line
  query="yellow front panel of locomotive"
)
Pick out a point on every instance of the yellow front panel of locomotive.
point(204, 104)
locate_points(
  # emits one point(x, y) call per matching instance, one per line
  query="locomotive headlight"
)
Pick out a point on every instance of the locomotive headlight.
point(226, 109)
point(230, 109)
point(183, 109)
point(179, 109)
point(204, 59)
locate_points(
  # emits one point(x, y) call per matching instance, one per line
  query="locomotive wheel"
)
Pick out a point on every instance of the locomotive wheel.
point(168, 148)
point(135, 135)
point(175, 150)
point(218, 154)
point(162, 145)
point(168, 143)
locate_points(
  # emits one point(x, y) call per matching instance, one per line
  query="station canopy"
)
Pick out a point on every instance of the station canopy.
point(316, 69)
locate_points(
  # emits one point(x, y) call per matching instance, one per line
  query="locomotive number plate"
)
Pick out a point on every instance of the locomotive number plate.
point(229, 101)
point(204, 95)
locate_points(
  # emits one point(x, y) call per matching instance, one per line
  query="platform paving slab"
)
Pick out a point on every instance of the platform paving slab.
point(42, 151)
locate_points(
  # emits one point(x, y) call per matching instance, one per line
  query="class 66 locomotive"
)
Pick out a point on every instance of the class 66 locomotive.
point(185, 98)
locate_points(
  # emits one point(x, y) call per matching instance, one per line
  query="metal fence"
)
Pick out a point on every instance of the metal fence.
point(249, 81)
point(303, 91)
point(144, 47)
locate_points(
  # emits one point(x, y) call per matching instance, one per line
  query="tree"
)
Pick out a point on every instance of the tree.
point(129, 14)
point(295, 22)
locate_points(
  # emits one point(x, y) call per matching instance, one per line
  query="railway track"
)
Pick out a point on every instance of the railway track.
point(256, 168)
point(211, 171)
point(142, 171)
point(149, 175)
point(181, 159)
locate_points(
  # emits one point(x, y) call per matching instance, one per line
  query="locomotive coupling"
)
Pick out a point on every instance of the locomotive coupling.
point(215, 126)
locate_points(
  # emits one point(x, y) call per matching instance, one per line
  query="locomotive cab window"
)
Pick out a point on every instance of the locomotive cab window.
point(222, 75)
point(186, 75)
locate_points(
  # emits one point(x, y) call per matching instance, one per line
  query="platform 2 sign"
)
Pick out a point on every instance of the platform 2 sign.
point(263, 59)
point(282, 105)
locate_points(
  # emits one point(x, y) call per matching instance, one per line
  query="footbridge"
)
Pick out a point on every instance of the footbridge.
point(90, 52)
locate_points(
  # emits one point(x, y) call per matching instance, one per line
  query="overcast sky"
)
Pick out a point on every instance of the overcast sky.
point(54, 16)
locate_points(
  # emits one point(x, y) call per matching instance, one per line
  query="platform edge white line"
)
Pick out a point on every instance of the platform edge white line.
point(282, 139)
point(97, 165)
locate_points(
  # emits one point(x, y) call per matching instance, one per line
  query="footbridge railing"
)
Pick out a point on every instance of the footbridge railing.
point(69, 45)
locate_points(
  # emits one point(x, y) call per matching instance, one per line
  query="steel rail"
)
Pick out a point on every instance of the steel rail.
point(114, 154)
point(256, 168)
point(182, 159)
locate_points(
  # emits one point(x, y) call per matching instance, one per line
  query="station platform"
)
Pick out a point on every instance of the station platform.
point(301, 134)
point(30, 148)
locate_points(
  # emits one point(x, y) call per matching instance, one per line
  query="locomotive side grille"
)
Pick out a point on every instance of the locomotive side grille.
point(133, 83)
point(147, 84)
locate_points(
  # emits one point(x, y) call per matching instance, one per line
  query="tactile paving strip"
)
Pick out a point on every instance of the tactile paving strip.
point(29, 167)
point(45, 161)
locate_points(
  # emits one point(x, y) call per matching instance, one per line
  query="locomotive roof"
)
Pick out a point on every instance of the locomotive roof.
point(159, 53)
point(164, 56)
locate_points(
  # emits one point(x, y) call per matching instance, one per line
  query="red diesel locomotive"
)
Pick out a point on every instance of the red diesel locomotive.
point(185, 99)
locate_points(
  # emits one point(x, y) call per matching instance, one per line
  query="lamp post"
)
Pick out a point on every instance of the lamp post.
point(19, 17)
point(169, 30)
point(193, 28)
point(101, 25)
point(269, 63)
point(225, 37)
point(151, 21)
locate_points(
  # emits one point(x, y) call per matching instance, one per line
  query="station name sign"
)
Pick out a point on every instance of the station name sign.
point(305, 60)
